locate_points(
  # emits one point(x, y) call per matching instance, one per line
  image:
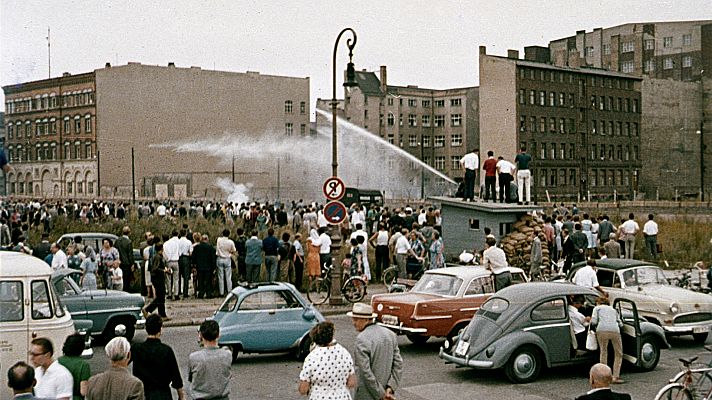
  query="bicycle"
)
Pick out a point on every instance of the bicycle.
point(390, 275)
point(684, 387)
point(353, 288)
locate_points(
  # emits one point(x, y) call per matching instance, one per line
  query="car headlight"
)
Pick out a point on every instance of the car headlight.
point(446, 345)
point(490, 351)
point(674, 307)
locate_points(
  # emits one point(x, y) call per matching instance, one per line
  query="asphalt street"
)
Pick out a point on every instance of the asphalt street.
point(425, 376)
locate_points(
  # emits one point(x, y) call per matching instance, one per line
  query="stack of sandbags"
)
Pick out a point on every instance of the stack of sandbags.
point(517, 245)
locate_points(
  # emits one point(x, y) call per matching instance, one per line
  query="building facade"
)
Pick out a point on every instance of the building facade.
point(436, 126)
point(581, 126)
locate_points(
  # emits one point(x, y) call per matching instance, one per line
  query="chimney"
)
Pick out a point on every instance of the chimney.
point(65, 74)
point(483, 50)
point(513, 54)
point(107, 65)
point(384, 81)
point(172, 64)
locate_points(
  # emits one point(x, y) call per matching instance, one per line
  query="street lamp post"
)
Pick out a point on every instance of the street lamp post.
point(335, 298)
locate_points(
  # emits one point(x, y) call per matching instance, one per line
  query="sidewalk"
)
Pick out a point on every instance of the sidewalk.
point(194, 311)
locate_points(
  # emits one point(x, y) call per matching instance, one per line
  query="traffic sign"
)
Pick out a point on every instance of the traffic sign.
point(335, 212)
point(334, 188)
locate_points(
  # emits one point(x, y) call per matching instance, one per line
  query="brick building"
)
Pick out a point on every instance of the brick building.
point(73, 136)
point(582, 126)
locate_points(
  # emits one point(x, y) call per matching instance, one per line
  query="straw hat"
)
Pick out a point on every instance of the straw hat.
point(361, 310)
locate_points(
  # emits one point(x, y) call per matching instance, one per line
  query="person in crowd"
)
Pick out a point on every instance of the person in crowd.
point(470, 162)
point(298, 261)
point(126, 259)
point(54, 381)
point(522, 161)
point(73, 260)
point(209, 368)
point(376, 356)
point(117, 277)
point(586, 277)
point(21, 379)
point(535, 256)
point(356, 267)
point(612, 247)
point(171, 253)
point(494, 259)
point(159, 270)
point(43, 248)
point(285, 267)
point(313, 256)
point(490, 168)
point(579, 322)
point(154, 363)
point(608, 326)
point(185, 247)
point(590, 231)
point(225, 249)
point(88, 267)
point(650, 232)
point(59, 258)
point(414, 265)
point(147, 253)
point(436, 255)
point(72, 360)
point(253, 257)
point(600, 378)
point(580, 242)
point(116, 383)
point(328, 371)
point(630, 229)
point(108, 256)
point(241, 253)
point(379, 240)
point(505, 169)
point(324, 247)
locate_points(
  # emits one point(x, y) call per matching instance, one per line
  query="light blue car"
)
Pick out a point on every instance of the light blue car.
point(270, 317)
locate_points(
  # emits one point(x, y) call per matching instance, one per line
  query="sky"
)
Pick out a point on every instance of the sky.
point(431, 44)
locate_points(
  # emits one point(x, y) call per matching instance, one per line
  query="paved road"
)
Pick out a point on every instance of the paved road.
point(425, 376)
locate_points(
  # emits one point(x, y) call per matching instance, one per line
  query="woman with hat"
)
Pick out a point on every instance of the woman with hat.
point(328, 371)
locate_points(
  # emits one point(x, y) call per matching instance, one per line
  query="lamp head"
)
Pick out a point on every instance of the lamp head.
point(350, 75)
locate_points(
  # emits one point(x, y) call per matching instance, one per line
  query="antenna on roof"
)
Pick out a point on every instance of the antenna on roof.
point(49, 56)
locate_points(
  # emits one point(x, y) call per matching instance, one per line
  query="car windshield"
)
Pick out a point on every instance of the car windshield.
point(643, 276)
point(440, 284)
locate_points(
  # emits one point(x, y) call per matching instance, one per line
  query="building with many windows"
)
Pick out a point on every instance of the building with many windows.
point(581, 126)
point(76, 135)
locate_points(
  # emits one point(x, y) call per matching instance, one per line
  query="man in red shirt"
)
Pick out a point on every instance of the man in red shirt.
point(490, 167)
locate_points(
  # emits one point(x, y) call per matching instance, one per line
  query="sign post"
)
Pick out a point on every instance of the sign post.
point(335, 213)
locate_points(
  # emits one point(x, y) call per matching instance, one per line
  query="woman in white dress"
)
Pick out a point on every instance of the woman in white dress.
point(328, 371)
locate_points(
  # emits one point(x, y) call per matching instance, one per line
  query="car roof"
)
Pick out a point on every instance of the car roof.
point(90, 234)
point(532, 291)
point(258, 287)
point(16, 265)
point(467, 271)
point(617, 263)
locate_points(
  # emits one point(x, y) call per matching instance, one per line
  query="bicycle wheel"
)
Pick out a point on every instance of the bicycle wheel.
point(318, 291)
point(390, 275)
point(674, 391)
point(354, 289)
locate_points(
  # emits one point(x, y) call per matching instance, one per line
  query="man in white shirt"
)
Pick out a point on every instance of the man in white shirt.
point(161, 210)
point(471, 163)
point(171, 253)
point(325, 247)
point(54, 381)
point(650, 232)
point(59, 259)
point(629, 229)
point(495, 260)
point(402, 249)
point(578, 321)
point(224, 249)
point(505, 171)
point(185, 247)
point(586, 276)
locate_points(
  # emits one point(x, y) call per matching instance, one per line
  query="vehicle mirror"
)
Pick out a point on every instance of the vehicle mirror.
point(120, 330)
point(309, 314)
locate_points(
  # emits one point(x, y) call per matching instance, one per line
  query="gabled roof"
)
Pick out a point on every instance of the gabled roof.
point(369, 84)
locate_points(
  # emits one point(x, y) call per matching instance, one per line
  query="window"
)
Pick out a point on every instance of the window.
point(627, 47)
point(522, 96)
point(542, 98)
point(627, 67)
point(439, 141)
point(390, 138)
point(303, 107)
point(87, 123)
point(635, 129)
point(391, 119)
point(552, 124)
point(594, 125)
point(603, 127)
point(606, 49)
point(400, 119)
point(11, 303)
point(592, 174)
point(88, 152)
point(413, 140)
point(649, 44)
point(425, 103)
point(456, 140)
point(77, 124)
point(41, 306)
point(542, 178)
point(439, 163)
point(439, 103)
point(425, 121)
point(667, 41)
point(532, 97)
point(455, 102)
point(549, 311)
point(426, 141)
point(532, 122)
point(562, 100)
point(687, 39)
point(303, 129)
point(686, 61)
point(522, 123)
point(10, 130)
point(553, 151)
point(412, 103)
point(412, 120)
point(562, 125)
point(589, 51)
point(635, 106)
point(562, 152)
point(572, 177)
point(619, 153)
point(649, 66)
point(626, 132)
point(480, 285)
point(552, 99)
point(455, 163)
point(439, 121)
point(288, 107)
point(456, 119)
point(542, 155)
point(571, 100)
point(289, 128)
point(542, 124)
point(390, 101)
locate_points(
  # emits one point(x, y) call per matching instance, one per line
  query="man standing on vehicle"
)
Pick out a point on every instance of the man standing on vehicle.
point(494, 259)
point(504, 170)
point(125, 248)
point(376, 356)
point(471, 163)
point(490, 167)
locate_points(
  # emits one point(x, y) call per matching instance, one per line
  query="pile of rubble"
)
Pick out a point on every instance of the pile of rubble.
point(517, 245)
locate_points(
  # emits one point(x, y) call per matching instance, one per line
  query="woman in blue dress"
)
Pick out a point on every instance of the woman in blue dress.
point(88, 268)
point(437, 259)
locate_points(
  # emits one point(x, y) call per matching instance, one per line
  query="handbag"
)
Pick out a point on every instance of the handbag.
point(591, 341)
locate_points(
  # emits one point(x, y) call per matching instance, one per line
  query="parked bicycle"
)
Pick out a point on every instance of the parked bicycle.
point(689, 384)
point(353, 288)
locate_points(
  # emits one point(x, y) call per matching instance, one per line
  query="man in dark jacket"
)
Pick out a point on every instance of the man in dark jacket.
point(580, 244)
point(42, 250)
point(125, 248)
point(203, 258)
point(601, 378)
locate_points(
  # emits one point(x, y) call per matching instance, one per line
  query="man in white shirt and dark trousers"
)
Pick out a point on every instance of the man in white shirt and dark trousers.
point(504, 172)
point(629, 229)
point(184, 266)
point(495, 260)
point(171, 253)
point(650, 232)
point(471, 162)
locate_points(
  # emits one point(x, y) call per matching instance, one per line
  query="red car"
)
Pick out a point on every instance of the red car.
point(440, 304)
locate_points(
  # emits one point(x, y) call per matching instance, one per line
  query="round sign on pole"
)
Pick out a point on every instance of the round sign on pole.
point(335, 212)
point(334, 188)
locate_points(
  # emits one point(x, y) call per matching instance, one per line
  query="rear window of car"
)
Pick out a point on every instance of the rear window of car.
point(440, 284)
point(493, 308)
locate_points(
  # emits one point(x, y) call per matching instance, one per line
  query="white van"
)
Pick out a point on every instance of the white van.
point(29, 308)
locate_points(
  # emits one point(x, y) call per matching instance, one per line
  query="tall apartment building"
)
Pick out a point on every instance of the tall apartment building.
point(438, 126)
point(75, 135)
point(582, 126)
point(680, 50)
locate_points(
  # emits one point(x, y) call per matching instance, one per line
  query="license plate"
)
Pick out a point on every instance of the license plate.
point(389, 319)
point(700, 329)
point(462, 348)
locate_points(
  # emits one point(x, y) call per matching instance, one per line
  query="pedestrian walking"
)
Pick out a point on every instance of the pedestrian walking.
point(209, 368)
point(116, 383)
point(328, 372)
point(159, 270)
point(154, 363)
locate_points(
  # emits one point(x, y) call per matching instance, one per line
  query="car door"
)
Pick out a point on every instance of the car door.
point(550, 321)
point(630, 333)
point(267, 321)
point(289, 319)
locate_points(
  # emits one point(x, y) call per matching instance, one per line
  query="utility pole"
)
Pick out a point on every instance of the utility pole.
point(702, 158)
point(49, 56)
point(133, 177)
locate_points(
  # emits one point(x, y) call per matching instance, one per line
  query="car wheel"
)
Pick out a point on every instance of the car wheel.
point(417, 339)
point(649, 353)
point(129, 323)
point(700, 337)
point(524, 365)
point(304, 348)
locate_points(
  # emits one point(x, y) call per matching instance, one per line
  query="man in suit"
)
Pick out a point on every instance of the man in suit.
point(600, 378)
point(376, 356)
point(42, 250)
point(116, 383)
point(125, 248)
point(21, 379)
